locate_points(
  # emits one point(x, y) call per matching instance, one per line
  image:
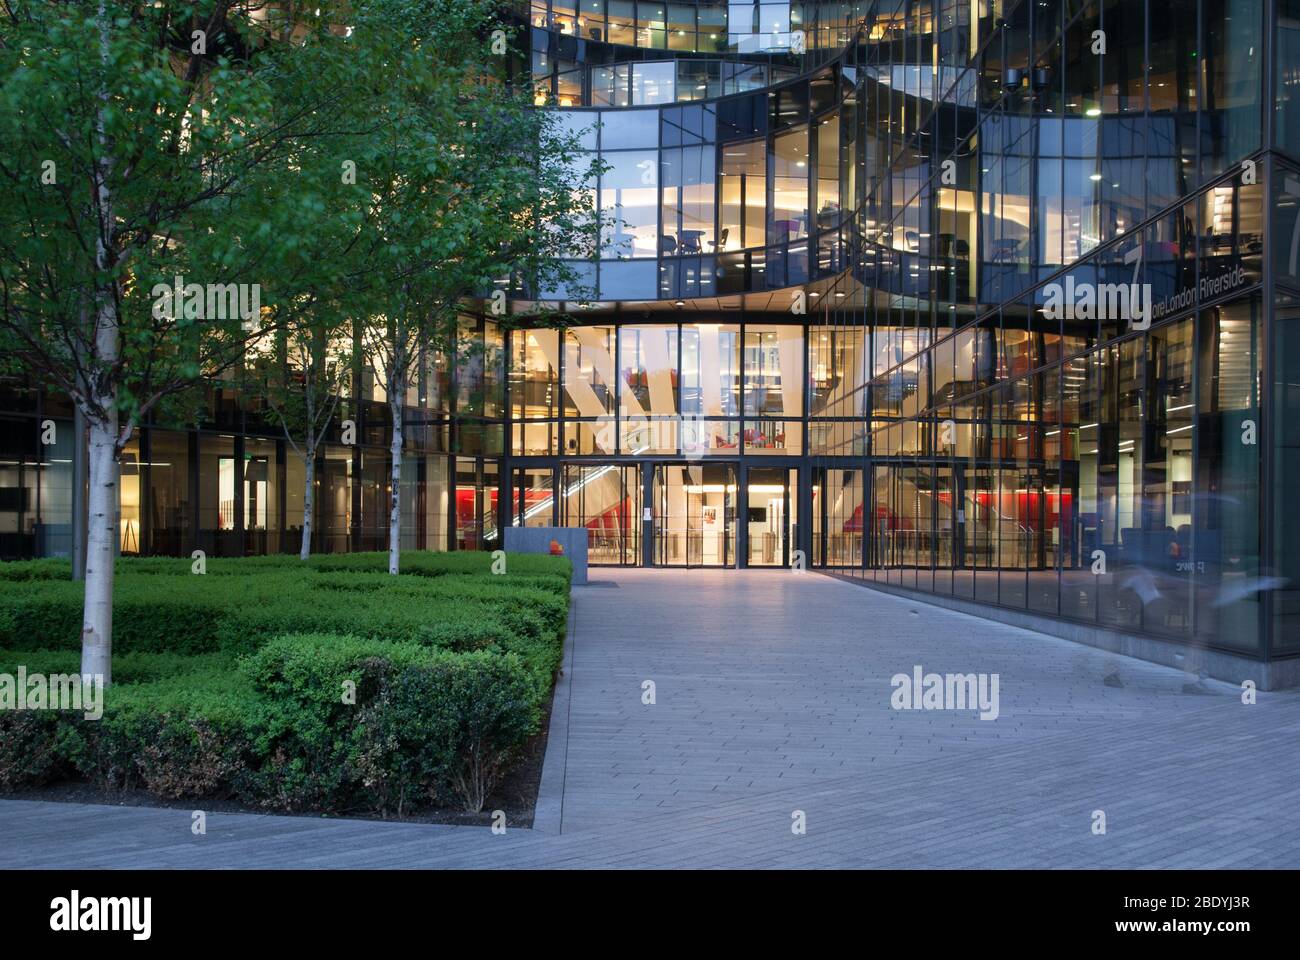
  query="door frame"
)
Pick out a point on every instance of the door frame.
point(790, 533)
point(650, 514)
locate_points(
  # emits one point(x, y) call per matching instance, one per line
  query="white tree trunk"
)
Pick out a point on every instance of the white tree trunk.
point(101, 541)
point(101, 525)
point(79, 484)
point(395, 502)
point(308, 504)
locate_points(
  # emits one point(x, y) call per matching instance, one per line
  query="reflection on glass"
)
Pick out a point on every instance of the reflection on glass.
point(711, 369)
point(534, 375)
point(622, 22)
point(629, 204)
point(773, 370)
point(744, 196)
point(469, 516)
point(169, 493)
point(589, 371)
point(437, 503)
point(261, 497)
point(217, 494)
point(828, 171)
point(129, 499)
point(837, 371)
point(1226, 502)
point(647, 359)
point(789, 186)
point(535, 495)
point(688, 192)
point(654, 83)
point(333, 525)
point(606, 499)
point(842, 495)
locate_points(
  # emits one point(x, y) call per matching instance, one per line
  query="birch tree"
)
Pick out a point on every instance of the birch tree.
point(131, 235)
point(303, 384)
point(471, 190)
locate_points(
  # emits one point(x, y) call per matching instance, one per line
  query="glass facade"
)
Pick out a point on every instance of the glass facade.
point(751, 192)
point(1028, 239)
point(232, 485)
point(1065, 318)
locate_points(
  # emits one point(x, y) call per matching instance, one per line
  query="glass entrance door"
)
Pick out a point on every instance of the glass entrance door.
point(694, 514)
point(771, 499)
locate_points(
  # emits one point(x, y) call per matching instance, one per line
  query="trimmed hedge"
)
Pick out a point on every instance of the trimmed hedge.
point(154, 612)
point(127, 667)
point(181, 736)
point(45, 569)
point(309, 722)
point(233, 687)
point(416, 563)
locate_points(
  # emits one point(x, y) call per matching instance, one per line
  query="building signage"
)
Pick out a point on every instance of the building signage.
point(1208, 288)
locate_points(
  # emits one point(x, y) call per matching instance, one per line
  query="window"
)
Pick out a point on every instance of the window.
point(828, 171)
point(789, 186)
point(629, 204)
point(681, 26)
point(534, 375)
point(591, 19)
point(688, 195)
point(652, 28)
point(773, 370)
point(653, 83)
point(622, 22)
point(744, 196)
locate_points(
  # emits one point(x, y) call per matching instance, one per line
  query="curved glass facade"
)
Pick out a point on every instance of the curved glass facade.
point(742, 194)
point(1000, 267)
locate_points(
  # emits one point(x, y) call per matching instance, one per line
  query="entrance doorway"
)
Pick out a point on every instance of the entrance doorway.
point(771, 503)
point(694, 515)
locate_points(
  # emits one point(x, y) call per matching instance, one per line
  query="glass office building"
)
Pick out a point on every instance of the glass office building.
point(1044, 250)
point(233, 486)
point(989, 300)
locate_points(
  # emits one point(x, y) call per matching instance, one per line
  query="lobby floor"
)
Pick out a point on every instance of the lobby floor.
point(772, 698)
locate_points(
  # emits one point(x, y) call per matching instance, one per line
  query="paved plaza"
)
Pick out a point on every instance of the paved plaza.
point(772, 704)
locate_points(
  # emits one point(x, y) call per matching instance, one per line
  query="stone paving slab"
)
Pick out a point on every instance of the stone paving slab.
point(772, 695)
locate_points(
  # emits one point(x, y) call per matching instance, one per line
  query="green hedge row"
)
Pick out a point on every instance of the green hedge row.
point(233, 685)
point(195, 614)
point(309, 722)
point(416, 563)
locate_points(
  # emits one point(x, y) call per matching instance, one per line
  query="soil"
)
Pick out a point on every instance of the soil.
point(516, 794)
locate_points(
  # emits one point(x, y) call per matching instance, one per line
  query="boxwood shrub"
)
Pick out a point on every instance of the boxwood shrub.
point(308, 722)
point(232, 684)
point(185, 613)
